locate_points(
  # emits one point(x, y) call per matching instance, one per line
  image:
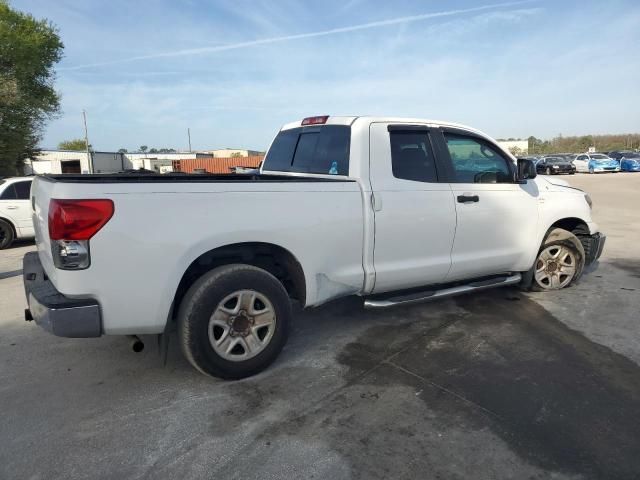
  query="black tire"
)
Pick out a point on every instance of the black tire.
point(549, 171)
point(204, 297)
point(6, 234)
point(560, 238)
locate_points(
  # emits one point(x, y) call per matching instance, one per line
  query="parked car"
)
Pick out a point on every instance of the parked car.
point(595, 163)
point(554, 165)
point(630, 162)
point(618, 154)
point(219, 257)
point(15, 210)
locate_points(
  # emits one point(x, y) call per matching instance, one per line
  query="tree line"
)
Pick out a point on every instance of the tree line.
point(580, 144)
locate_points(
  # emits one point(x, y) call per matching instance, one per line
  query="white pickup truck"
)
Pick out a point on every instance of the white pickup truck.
point(395, 210)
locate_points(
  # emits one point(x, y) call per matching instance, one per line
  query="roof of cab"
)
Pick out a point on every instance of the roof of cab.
point(349, 120)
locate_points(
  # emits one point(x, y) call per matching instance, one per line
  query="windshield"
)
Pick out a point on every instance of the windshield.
point(599, 156)
point(626, 155)
point(555, 160)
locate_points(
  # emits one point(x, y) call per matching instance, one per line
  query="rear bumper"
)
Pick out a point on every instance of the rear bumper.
point(51, 310)
point(593, 247)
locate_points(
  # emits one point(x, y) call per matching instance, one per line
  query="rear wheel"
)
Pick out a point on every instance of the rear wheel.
point(560, 261)
point(234, 321)
point(6, 234)
point(591, 170)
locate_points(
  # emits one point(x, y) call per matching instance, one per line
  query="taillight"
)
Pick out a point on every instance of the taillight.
point(71, 224)
point(319, 120)
point(78, 219)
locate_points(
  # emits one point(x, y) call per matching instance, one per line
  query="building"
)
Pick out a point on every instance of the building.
point(234, 152)
point(218, 165)
point(70, 161)
point(517, 147)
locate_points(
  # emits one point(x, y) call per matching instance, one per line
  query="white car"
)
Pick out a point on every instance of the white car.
point(15, 210)
point(595, 163)
point(394, 210)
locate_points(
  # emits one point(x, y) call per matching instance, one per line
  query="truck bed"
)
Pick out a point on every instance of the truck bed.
point(184, 178)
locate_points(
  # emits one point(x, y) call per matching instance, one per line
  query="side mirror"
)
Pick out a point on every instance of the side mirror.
point(526, 170)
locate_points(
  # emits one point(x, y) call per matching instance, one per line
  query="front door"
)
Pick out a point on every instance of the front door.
point(496, 217)
point(415, 217)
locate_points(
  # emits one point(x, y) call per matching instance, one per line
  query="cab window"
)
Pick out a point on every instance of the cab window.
point(476, 161)
point(411, 156)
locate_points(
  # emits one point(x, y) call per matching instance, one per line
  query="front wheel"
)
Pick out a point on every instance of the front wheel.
point(548, 171)
point(6, 234)
point(560, 261)
point(591, 170)
point(234, 321)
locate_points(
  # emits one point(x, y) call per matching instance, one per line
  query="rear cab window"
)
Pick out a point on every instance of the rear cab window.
point(319, 149)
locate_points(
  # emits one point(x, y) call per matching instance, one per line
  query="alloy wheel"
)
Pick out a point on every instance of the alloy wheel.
point(242, 325)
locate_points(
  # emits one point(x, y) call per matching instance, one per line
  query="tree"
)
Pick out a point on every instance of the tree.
point(122, 150)
point(153, 150)
point(515, 151)
point(236, 155)
point(75, 144)
point(29, 49)
point(143, 148)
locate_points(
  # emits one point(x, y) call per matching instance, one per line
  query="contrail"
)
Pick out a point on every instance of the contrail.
point(286, 38)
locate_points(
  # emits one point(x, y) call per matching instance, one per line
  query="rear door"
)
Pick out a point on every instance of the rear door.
point(496, 217)
point(415, 216)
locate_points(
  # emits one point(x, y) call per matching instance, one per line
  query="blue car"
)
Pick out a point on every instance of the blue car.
point(630, 162)
point(595, 163)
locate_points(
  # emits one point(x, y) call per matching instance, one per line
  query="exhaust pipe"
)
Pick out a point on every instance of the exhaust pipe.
point(137, 345)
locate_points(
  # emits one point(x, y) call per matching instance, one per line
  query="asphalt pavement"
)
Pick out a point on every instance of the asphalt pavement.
point(497, 384)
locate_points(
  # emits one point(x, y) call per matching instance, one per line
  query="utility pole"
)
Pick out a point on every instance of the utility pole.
point(86, 141)
point(189, 135)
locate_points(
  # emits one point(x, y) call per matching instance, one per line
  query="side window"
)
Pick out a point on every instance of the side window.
point(474, 161)
point(9, 193)
point(582, 157)
point(23, 190)
point(411, 156)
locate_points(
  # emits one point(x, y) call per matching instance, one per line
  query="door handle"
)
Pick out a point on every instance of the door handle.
point(465, 198)
point(12, 207)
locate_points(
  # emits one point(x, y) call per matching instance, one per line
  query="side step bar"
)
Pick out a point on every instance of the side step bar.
point(426, 295)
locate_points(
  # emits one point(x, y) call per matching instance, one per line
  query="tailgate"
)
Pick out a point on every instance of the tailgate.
point(41, 193)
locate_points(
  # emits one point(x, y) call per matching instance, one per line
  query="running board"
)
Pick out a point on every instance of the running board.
point(427, 295)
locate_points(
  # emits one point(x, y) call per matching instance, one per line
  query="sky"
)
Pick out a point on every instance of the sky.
point(234, 71)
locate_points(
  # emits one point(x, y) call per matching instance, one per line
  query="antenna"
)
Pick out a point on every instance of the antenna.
point(86, 141)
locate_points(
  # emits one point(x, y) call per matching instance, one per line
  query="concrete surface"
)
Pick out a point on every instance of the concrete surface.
point(491, 385)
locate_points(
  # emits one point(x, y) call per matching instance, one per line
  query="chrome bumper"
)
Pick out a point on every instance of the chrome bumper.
point(51, 310)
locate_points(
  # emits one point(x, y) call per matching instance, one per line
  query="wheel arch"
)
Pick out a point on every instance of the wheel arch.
point(575, 225)
point(278, 261)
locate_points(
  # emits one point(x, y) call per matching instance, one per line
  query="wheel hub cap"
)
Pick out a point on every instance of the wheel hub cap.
point(240, 324)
